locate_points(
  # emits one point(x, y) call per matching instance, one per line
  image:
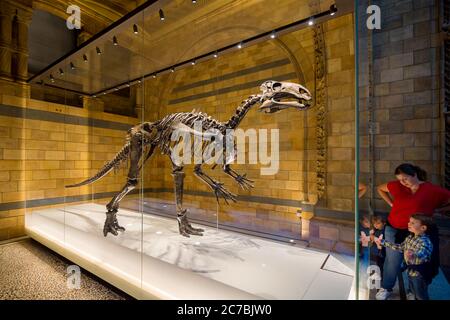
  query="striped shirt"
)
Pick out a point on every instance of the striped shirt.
point(421, 246)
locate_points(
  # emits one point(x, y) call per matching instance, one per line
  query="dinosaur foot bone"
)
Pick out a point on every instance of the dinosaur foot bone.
point(111, 224)
point(186, 229)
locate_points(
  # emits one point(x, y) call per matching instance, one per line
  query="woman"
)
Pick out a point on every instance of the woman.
point(407, 195)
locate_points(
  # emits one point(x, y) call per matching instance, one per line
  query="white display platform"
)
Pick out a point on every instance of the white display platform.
point(220, 265)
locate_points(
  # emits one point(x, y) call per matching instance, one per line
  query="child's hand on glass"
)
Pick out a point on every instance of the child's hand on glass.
point(377, 241)
point(364, 239)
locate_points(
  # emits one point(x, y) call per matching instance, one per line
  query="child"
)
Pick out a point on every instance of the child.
point(417, 249)
point(378, 254)
point(364, 228)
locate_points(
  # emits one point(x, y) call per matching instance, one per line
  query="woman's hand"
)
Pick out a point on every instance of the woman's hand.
point(383, 191)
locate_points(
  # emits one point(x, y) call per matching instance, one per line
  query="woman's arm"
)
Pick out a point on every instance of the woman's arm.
point(384, 193)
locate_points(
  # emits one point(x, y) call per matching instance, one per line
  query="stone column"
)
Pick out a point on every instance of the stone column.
point(23, 20)
point(6, 14)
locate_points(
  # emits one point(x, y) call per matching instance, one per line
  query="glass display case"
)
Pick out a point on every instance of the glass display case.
point(293, 231)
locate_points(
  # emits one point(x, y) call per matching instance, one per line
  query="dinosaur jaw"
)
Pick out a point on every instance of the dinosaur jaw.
point(277, 95)
point(281, 101)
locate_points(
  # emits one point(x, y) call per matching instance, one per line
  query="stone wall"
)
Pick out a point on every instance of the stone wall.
point(45, 146)
point(218, 86)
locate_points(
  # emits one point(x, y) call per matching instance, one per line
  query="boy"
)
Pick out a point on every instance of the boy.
point(417, 249)
point(378, 254)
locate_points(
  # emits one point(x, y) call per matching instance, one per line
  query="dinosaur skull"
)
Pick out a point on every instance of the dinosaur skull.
point(277, 96)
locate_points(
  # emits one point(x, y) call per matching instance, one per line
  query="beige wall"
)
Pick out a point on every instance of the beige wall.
point(38, 158)
point(296, 179)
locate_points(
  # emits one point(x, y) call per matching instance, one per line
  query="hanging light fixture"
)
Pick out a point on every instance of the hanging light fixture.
point(135, 29)
point(85, 58)
point(99, 52)
point(333, 9)
point(61, 72)
point(273, 35)
point(115, 41)
point(72, 66)
point(310, 21)
point(161, 15)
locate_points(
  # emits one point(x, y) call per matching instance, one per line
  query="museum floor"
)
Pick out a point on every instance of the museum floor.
point(32, 271)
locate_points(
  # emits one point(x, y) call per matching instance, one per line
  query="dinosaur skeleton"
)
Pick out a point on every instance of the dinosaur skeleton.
point(143, 139)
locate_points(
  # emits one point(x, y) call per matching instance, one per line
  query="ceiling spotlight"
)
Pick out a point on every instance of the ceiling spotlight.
point(154, 76)
point(51, 78)
point(99, 52)
point(135, 29)
point(172, 70)
point(239, 45)
point(193, 62)
point(216, 54)
point(310, 22)
point(61, 72)
point(115, 41)
point(273, 35)
point(194, 1)
point(161, 15)
point(85, 58)
point(333, 9)
point(72, 66)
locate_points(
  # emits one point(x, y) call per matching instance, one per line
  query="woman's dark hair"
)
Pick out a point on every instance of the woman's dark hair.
point(411, 170)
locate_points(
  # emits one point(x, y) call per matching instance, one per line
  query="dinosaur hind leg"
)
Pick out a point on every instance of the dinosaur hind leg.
point(184, 226)
point(111, 223)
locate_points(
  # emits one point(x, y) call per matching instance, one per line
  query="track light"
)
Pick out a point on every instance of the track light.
point(310, 21)
point(161, 15)
point(85, 58)
point(216, 54)
point(135, 29)
point(72, 66)
point(99, 52)
point(333, 10)
point(193, 62)
point(239, 45)
point(273, 35)
point(115, 41)
point(61, 72)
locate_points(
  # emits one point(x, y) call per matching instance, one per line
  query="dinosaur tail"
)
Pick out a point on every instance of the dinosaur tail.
point(120, 156)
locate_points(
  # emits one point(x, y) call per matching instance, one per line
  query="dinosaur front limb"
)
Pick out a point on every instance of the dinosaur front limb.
point(243, 182)
point(216, 186)
point(184, 226)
